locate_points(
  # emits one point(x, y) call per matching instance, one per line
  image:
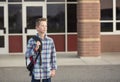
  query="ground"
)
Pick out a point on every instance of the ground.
point(71, 73)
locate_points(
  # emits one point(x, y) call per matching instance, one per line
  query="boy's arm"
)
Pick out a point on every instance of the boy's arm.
point(53, 61)
point(53, 58)
point(30, 48)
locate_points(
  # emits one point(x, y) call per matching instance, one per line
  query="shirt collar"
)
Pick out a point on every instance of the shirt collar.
point(44, 36)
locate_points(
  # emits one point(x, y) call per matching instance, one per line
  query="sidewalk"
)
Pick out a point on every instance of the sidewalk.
point(77, 73)
point(105, 59)
point(70, 68)
point(64, 59)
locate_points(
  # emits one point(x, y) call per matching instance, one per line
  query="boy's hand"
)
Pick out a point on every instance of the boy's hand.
point(37, 45)
point(52, 73)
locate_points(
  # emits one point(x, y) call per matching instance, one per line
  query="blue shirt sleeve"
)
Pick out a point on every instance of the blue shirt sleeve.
point(30, 48)
point(53, 57)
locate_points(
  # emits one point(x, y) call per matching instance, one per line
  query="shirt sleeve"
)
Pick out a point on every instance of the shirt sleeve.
point(53, 57)
point(30, 48)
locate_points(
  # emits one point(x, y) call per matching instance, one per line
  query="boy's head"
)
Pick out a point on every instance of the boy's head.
point(41, 25)
point(38, 21)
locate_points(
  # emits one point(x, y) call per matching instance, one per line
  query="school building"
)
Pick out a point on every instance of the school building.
point(88, 27)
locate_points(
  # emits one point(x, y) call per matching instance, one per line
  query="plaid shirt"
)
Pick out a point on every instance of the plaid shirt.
point(48, 55)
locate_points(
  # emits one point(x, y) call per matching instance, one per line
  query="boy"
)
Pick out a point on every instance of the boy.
point(48, 54)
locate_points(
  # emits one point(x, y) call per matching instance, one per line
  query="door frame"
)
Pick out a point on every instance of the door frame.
point(24, 18)
point(4, 51)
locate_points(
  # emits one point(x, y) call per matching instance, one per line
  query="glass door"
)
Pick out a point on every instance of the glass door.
point(31, 11)
point(3, 30)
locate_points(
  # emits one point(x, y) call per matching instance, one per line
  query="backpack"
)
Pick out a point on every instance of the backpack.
point(30, 61)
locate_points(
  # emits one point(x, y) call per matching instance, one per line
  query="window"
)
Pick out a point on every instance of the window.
point(71, 18)
point(118, 9)
point(56, 0)
point(14, 0)
point(2, 0)
point(118, 15)
point(62, 23)
point(15, 18)
point(32, 14)
point(106, 10)
point(106, 27)
point(1, 17)
point(56, 18)
point(110, 16)
point(34, 0)
point(118, 26)
point(71, 0)
point(2, 42)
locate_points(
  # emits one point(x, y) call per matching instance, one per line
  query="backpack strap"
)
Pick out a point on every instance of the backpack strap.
point(36, 38)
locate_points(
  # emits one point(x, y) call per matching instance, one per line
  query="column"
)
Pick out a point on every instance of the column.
point(88, 28)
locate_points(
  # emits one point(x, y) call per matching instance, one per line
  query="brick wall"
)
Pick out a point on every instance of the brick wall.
point(88, 27)
point(110, 43)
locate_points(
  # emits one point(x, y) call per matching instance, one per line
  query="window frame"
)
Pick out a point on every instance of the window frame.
point(114, 21)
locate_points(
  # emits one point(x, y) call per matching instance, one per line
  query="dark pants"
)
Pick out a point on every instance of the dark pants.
point(44, 80)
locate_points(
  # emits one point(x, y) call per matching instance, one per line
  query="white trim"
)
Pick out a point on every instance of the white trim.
point(62, 2)
point(110, 33)
point(106, 21)
point(34, 4)
point(114, 15)
point(117, 21)
point(55, 33)
point(5, 49)
point(70, 33)
point(66, 48)
point(72, 2)
point(55, 2)
point(15, 3)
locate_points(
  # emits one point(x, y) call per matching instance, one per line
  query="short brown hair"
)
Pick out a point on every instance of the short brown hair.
point(39, 20)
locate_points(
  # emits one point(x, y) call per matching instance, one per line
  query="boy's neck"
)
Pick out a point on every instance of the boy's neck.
point(41, 35)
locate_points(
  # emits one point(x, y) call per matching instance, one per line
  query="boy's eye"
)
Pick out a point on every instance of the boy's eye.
point(43, 26)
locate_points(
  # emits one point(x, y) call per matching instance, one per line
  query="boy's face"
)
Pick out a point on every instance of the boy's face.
point(42, 27)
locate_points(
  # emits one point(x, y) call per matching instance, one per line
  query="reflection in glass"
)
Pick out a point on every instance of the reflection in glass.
point(118, 26)
point(106, 9)
point(106, 27)
point(71, 18)
point(14, 0)
point(56, 17)
point(118, 9)
point(55, 0)
point(15, 18)
point(1, 18)
point(32, 14)
point(2, 41)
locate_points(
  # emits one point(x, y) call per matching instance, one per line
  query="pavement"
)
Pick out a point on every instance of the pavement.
point(76, 73)
point(65, 59)
point(105, 68)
